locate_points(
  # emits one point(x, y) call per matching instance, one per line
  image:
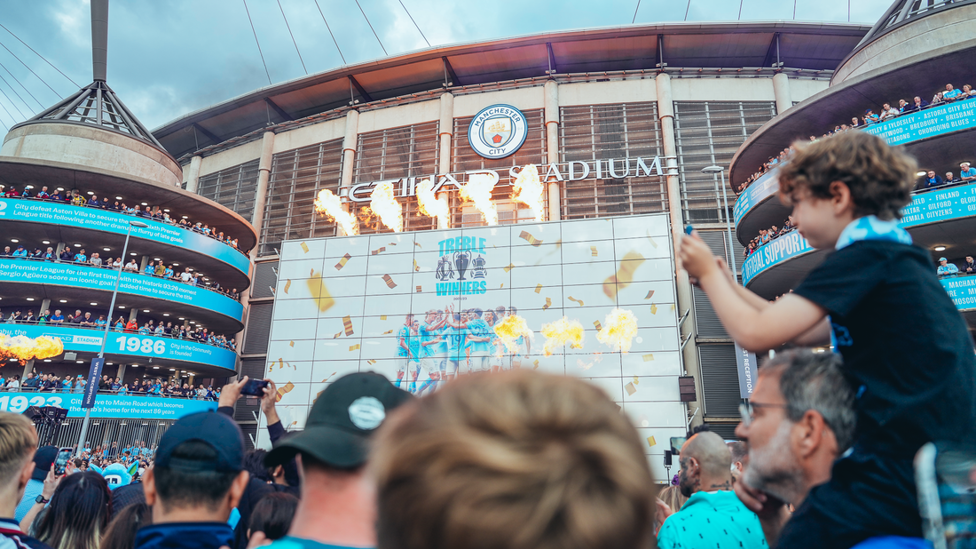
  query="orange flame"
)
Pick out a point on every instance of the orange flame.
point(330, 205)
point(478, 192)
point(428, 203)
point(560, 333)
point(24, 348)
point(510, 329)
point(528, 191)
point(384, 204)
point(619, 329)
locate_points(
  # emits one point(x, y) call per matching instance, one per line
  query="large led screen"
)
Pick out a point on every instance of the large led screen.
point(349, 304)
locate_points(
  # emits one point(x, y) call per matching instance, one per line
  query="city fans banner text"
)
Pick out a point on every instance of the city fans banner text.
point(37, 211)
point(108, 406)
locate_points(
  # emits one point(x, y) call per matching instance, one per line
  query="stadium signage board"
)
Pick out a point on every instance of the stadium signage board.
point(108, 406)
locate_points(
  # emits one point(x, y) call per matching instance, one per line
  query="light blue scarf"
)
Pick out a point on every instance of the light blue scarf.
point(871, 228)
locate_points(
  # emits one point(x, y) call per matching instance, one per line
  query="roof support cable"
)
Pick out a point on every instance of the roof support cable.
point(287, 26)
point(8, 114)
point(15, 93)
point(371, 28)
point(261, 53)
point(39, 55)
point(415, 24)
point(31, 71)
point(632, 21)
point(739, 18)
point(22, 86)
point(794, 10)
point(687, 10)
point(336, 42)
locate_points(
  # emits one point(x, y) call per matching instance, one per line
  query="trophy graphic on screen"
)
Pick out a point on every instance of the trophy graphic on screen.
point(461, 260)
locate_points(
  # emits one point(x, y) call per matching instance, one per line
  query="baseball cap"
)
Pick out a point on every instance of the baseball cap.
point(943, 259)
point(43, 459)
point(341, 421)
point(211, 428)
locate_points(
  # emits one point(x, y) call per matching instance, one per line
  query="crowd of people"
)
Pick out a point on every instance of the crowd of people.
point(765, 235)
point(946, 268)
point(75, 198)
point(154, 268)
point(148, 327)
point(52, 383)
point(888, 112)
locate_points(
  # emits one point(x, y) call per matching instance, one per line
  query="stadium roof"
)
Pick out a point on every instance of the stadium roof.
point(813, 47)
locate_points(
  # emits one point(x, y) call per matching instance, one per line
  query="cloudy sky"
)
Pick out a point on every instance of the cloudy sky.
point(168, 58)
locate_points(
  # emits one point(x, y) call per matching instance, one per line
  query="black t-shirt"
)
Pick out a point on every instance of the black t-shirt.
point(907, 351)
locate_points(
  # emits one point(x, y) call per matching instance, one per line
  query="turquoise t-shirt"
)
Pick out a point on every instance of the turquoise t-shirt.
point(716, 519)
point(413, 341)
point(403, 335)
point(426, 336)
point(289, 542)
point(479, 328)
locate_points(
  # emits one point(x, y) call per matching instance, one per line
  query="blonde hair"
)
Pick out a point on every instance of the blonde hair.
point(18, 441)
point(520, 460)
point(673, 498)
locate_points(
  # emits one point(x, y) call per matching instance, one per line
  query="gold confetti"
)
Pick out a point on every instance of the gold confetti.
point(630, 388)
point(320, 294)
point(281, 363)
point(653, 243)
point(347, 324)
point(583, 365)
point(353, 347)
point(580, 301)
point(593, 251)
point(304, 247)
point(287, 285)
point(417, 244)
point(282, 391)
point(388, 332)
point(509, 268)
point(370, 362)
point(419, 289)
point(392, 244)
point(382, 249)
point(311, 273)
point(625, 274)
point(649, 295)
point(636, 381)
point(651, 442)
point(291, 343)
point(597, 325)
point(530, 239)
point(653, 309)
point(502, 285)
point(415, 266)
point(535, 365)
point(672, 307)
point(548, 303)
point(342, 262)
point(538, 288)
point(648, 357)
point(389, 281)
point(337, 335)
point(382, 317)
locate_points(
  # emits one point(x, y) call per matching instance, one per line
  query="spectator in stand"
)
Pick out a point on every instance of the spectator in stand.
point(930, 181)
point(888, 112)
point(132, 266)
point(966, 173)
point(970, 266)
point(950, 93)
point(78, 514)
point(150, 268)
point(95, 260)
point(58, 318)
point(946, 268)
point(903, 106)
point(492, 461)
point(43, 194)
point(186, 276)
point(855, 123)
point(20, 252)
point(17, 440)
point(132, 326)
point(197, 479)
point(870, 117)
point(93, 202)
point(160, 269)
point(949, 178)
point(918, 104)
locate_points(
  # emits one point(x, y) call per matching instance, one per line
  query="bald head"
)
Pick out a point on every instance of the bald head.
point(710, 451)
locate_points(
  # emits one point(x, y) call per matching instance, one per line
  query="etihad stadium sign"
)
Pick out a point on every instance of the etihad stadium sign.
point(576, 170)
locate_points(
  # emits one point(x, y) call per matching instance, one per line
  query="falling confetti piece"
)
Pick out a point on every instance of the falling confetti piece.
point(417, 244)
point(538, 288)
point(630, 388)
point(382, 249)
point(282, 391)
point(625, 274)
point(353, 347)
point(524, 235)
point(649, 295)
point(548, 303)
point(371, 362)
point(597, 325)
point(291, 343)
point(342, 262)
point(535, 365)
point(337, 335)
point(304, 247)
point(419, 289)
point(509, 268)
point(672, 307)
point(580, 301)
point(415, 266)
point(593, 251)
point(653, 309)
point(648, 357)
point(388, 332)
point(311, 273)
point(392, 244)
point(287, 285)
point(281, 363)
point(651, 442)
point(583, 365)
point(320, 294)
point(382, 317)
point(502, 285)
point(636, 381)
point(347, 324)
point(389, 281)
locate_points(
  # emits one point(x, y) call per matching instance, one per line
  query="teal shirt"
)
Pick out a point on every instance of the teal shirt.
point(479, 328)
point(289, 542)
point(404, 336)
point(714, 521)
point(413, 341)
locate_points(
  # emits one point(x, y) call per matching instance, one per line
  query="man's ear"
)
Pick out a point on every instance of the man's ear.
point(810, 432)
point(149, 487)
point(237, 488)
point(25, 475)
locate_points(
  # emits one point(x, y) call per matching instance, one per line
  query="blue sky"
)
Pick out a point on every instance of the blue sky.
point(168, 58)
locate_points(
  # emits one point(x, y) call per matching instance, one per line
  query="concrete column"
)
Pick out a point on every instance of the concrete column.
point(444, 222)
point(349, 143)
point(121, 373)
point(28, 368)
point(446, 136)
point(133, 313)
point(143, 262)
point(552, 143)
point(60, 248)
point(45, 305)
point(193, 174)
point(665, 110)
point(261, 193)
point(781, 90)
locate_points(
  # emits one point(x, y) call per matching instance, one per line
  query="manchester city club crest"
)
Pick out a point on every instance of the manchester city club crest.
point(497, 131)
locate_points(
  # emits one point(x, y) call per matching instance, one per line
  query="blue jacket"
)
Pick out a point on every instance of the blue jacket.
point(185, 535)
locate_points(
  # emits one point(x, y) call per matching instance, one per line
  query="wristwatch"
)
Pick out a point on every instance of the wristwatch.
point(40, 499)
